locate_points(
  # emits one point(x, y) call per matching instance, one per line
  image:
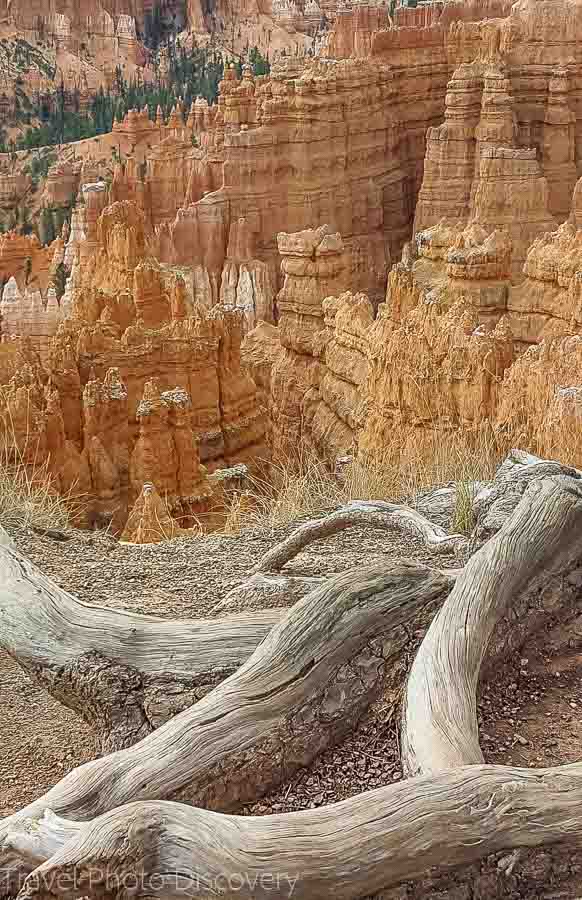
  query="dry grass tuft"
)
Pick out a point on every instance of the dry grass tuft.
point(29, 496)
point(29, 499)
point(412, 464)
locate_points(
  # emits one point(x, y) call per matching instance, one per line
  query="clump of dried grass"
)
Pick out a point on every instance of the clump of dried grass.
point(411, 464)
point(29, 497)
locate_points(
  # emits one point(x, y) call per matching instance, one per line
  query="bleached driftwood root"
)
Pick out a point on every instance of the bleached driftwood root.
point(530, 570)
point(495, 502)
point(268, 590)
point(273, 710)
point(303, 689)
point(346, 850)
point(373, 513)
point(124, 673)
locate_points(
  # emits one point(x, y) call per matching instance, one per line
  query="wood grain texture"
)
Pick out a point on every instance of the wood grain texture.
point(124, 673)
point(346, 850)
point(494, 504)
point(532, 564)
point(305, 686)
point(372, 514)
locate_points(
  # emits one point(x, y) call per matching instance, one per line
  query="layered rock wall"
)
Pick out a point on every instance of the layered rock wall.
point(314, 267)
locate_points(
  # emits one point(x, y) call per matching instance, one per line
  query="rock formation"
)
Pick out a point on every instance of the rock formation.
point(314, 267)
point(166, 455)
point(548, 303)
point(107, 405)
point(474, 170)
point(445, 351)
point(108, 472)
point(334, 423)
point(286, 203)
point(149, 521)
point(438, 369)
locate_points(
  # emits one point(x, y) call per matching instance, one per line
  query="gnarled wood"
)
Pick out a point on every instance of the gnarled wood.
point(532, 567)
point(124, 673)
point(494, 503)
point(347, 850)
point(268, 590)
point(373, 513)
point(304, 688)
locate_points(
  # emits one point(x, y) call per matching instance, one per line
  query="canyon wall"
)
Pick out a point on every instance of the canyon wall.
point(282, 212)
point(455, 347)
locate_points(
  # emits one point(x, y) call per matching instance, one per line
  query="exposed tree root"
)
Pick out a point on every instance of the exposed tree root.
point(264, 591)
point(376, 514)
point(302, 690)
point(532, 567)
point(346, 850)
point(495, 503)
point(124, 673)
point(305, 686)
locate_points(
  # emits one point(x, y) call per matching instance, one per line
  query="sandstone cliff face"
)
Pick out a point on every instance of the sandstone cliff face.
point(444, 352)
point(434, 356)
point(541, 396)
point(179, 257)
point(513, 194)
point(287, 152)
point(548, 303)
point(437, 369)
point(107, 405)
point(475, 171)
point(166, 454)
point(107, 474)
point(314, 266)
point(335, 421)
point(314, 365)
point(259, 350)
point(451, 262)
point(23, 257)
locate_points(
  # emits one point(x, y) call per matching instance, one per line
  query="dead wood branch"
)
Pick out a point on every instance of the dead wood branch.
point(306, 686)
point(124, 673)
point(375, 514)
point(347, 850)
point(528, 572)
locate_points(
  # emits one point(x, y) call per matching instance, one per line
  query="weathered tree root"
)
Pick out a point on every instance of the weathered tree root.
point(495, 503)
point(531, 568)
point(124, 673)
point(263, 591)
point(346, 850)
point(377, 514)
point(304, 686)
point(303, 689)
